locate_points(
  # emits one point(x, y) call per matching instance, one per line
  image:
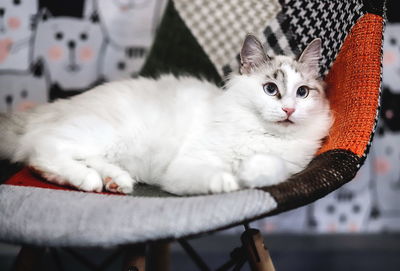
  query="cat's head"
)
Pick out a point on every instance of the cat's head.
point(22, 91)
point(122, 63)
point(344, 210)
point(16, 18)
point(126, 5)
point(390, 112)
point(286, 93)
point(129, 22)
point(70, 47)
point(391, 57)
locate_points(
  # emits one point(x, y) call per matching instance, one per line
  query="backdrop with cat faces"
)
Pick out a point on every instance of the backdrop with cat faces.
point(49, 49)
point(52, 49)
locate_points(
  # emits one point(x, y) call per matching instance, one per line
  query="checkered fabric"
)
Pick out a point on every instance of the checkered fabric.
point(220, 26)
point(286, 27)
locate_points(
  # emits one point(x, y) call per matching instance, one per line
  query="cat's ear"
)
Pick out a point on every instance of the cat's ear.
point(37, 68)
point(252, 54)
point(44, 15)
point(94, 18)
point(312, 55)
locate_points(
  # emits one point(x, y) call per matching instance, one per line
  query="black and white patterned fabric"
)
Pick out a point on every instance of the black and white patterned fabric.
point(285, 27)
point(280, 39)
point(219, 26)
point(328, 20)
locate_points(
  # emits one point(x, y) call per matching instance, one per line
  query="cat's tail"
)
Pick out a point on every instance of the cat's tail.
point(12, 127)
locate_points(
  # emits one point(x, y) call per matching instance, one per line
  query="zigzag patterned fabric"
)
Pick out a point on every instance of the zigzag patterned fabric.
point(285, 27)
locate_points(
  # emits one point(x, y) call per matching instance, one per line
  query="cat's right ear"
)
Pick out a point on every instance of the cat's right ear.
point(44, 14)
point(312, 55)
point(252, 54)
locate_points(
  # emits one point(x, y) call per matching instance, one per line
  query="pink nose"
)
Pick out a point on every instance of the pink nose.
point(288, 111)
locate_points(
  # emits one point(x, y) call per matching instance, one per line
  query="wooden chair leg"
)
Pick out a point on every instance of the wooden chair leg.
point(135, 258)
point(155, 258)
point(28, 258)
point(257, 254)
point(158, 257)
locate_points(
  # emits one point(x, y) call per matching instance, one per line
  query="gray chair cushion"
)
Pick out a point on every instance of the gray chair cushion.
point(41, 216)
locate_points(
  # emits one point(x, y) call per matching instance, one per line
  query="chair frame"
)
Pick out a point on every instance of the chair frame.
point(154, 256)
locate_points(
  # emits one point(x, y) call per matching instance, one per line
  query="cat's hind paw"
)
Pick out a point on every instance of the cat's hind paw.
point(223, 182)
point(92, 182)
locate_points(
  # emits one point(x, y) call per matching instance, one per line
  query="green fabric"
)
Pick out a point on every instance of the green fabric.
point(176, 51)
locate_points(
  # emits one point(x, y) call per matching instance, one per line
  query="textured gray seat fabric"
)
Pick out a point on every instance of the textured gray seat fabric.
point(50, 217)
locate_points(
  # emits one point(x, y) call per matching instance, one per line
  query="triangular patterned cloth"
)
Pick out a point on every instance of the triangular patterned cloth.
point(284, 26)
point(220, 26)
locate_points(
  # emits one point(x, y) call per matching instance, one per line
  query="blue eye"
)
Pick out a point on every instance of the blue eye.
point(271, 89)
point(302, 92)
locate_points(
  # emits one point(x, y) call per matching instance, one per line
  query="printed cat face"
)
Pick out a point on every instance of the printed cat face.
point(343, 211)
point(22, 91)
point(291, 221)
point(390, 112)
point(387, 172)
point(287, 93)
point(348, 208)
point(124, 5)
point(70, 48)
point(15, 32)
point(130, 22)
point(122, 63)
point(391, 57)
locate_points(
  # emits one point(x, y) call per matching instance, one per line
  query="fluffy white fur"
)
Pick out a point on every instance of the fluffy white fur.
point(183, 134)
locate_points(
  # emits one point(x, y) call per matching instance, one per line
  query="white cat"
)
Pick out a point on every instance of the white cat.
point(183, 134)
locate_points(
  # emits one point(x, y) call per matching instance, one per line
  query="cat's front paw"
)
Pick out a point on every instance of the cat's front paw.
point(262, 170)
point(119, 184)
point(223, 182)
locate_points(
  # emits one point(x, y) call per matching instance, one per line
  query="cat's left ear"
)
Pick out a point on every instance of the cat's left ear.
point(312, 55)
point(37, 68)
point(94, 18)
point(252, 54)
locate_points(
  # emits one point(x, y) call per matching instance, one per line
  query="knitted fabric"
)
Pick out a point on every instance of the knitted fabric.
point(354, 87)
point(325, 173)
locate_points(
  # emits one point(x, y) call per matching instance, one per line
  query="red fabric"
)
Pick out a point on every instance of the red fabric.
point(27, 177)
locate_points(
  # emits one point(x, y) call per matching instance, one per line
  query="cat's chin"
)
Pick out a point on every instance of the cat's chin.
point(286, 122)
